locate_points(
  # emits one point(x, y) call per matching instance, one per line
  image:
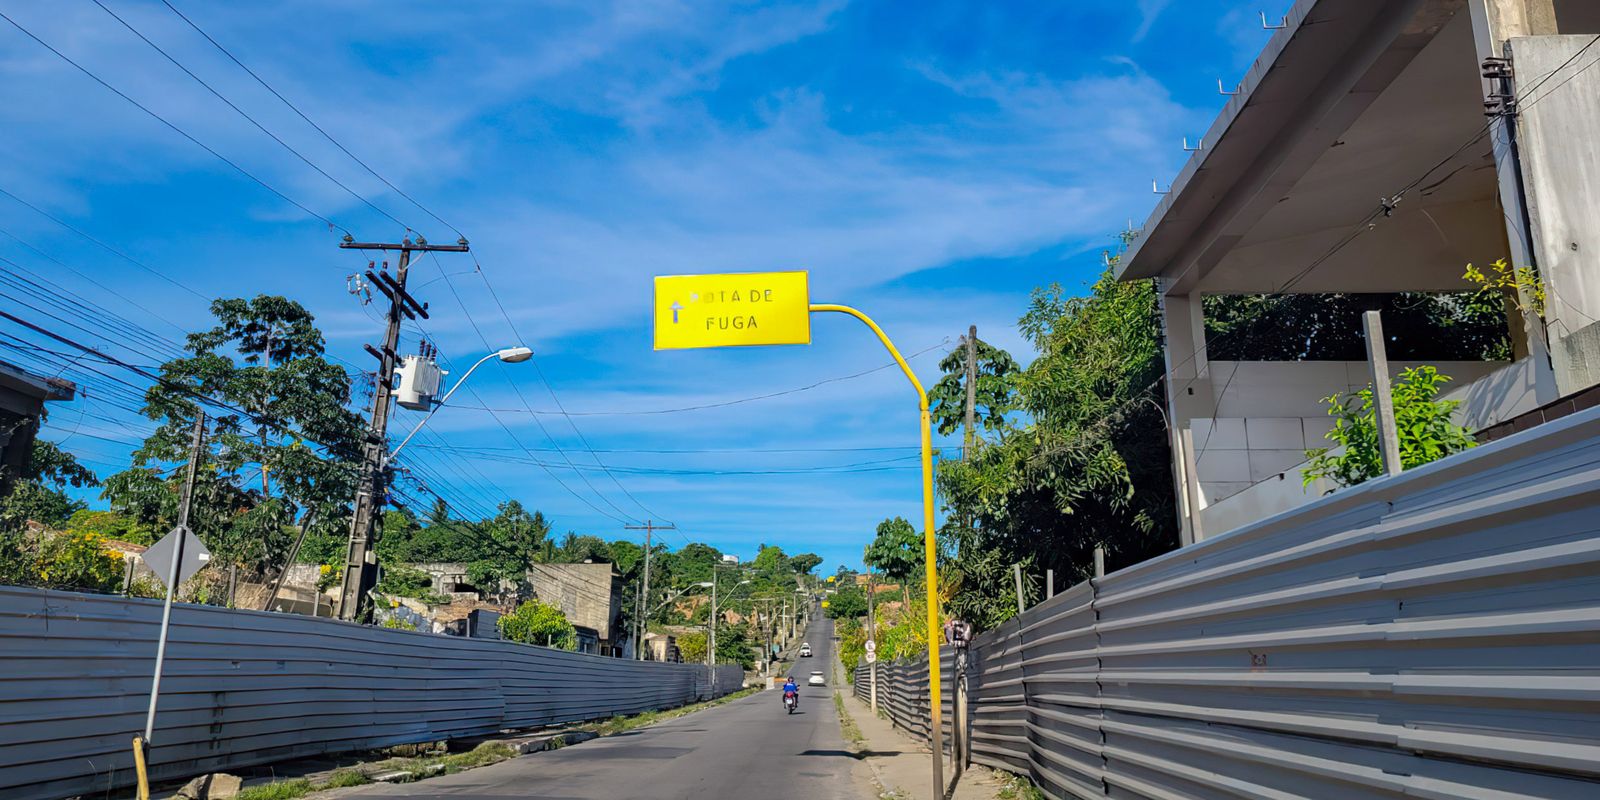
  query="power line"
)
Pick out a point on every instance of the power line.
point(171, 385)
point(485, 341)
point(705, 450)
point(550, 387)
point(173, 126)
point(67, 302)
point(102, 245)
point(863, 466)
point(716, 405)
point(296, 109)
point(250, 119)
point(58, 262)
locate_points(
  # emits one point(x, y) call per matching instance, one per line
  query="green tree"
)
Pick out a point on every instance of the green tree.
point(292, 445)
point(1088, 463)
point(576, 549)
point(994, 395)
point(847, 602)
point(39, 490)
point(770, 561)
point(805, 562)
point(1424, 425)
point(534, 622)
point(896, 551)
point(692, 647)
point(733, 645)
point(1457, 326)
point(506, 545)
point(693, 564)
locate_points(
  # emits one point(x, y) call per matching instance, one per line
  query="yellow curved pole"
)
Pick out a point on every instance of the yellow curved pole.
point(929, 544)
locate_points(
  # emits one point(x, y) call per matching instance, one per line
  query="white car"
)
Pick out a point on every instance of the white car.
point(816, 679)
point(805, 650)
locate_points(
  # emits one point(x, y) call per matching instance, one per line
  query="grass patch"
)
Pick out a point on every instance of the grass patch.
point(483, 754)
point(621, 724)
point(281, 790)
point(1016, 787)
point(345, 777)
point(847, 726)
point(300, 787)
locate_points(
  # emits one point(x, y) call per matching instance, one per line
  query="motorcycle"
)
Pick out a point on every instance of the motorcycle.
point(791, 700)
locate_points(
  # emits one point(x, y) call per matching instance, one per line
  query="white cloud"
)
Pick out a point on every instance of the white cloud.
point(1149, 11)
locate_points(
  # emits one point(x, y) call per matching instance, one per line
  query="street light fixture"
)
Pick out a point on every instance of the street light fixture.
point(510, 355)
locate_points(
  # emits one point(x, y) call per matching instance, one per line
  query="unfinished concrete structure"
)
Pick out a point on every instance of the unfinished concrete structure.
point(587, 593)
point(1357, 157)
point(22, 398)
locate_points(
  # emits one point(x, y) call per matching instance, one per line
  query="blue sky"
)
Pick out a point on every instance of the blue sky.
point(928, 162)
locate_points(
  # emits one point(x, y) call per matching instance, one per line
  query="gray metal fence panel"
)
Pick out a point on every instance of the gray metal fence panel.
point(1436, 634)
point(244, 687)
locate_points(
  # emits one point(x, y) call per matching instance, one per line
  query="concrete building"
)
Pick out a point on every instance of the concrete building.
point(449, 578)
point(22, 399)
point(661, 647)
point(588, 594)
point(1356, 157)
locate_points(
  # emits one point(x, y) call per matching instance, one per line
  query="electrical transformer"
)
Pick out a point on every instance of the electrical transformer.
point(419, 382)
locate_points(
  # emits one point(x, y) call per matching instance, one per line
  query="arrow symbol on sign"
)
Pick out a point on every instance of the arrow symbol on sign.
point(676, 307)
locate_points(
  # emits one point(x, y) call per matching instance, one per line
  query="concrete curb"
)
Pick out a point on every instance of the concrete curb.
point(549, 741)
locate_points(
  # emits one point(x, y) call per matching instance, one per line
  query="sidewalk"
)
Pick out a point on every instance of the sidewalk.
point(902, 765)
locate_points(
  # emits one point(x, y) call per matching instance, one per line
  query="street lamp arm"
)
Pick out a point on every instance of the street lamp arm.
point(436, 407)
point(512, 355)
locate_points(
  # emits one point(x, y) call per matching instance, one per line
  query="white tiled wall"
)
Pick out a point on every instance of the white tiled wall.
point(1234, 453)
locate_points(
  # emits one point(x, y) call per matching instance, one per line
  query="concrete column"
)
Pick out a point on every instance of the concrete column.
point(1559, 157)
point(1494, 24)
point(1188, 392)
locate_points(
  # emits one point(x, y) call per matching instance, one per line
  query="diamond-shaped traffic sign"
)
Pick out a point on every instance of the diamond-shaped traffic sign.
point(159, 557)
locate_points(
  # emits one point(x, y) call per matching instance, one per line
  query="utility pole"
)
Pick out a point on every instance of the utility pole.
point(972, 388)
point(972, 410)
point(711, 638)
point(639, 629)
point(872, 635)
point(361, 557)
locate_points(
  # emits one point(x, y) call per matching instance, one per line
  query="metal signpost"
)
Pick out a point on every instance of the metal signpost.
point(770, 308)
point(179, 555)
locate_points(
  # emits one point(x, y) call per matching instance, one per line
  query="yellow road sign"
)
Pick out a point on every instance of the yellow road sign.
point(732, 310)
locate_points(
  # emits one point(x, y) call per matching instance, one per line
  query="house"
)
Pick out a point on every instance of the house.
point(22, 398)
point(661, 647)
point(588, 594)
point(1376, 147)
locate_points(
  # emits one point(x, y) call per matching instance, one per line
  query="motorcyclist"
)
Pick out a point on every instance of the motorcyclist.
point(791, 689)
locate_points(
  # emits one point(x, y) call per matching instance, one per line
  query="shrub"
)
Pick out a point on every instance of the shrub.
point(535, 622)
point(402, 581)
point(113, 525)
point(1424, 425)
point(79, 561)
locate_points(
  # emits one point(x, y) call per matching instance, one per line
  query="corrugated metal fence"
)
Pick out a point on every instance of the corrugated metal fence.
point(1432, 635)
point(245, 687)
point(903, 693)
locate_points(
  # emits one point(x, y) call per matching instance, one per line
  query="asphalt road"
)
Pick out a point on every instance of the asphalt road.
point(746, 749)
